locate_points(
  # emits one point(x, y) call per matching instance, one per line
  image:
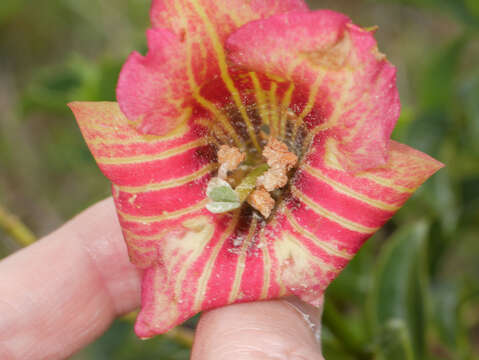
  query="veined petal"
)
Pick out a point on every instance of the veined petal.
point(332, 212)
point(208, 21)
point(311, 78)
point(158, 181)
point(212, 261)
point(153, 90)
point(348, 86)
point(185, 51)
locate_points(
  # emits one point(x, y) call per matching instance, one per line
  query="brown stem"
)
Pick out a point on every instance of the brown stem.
point(14, 227)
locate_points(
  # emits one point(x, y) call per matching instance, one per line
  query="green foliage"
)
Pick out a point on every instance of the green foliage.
point(398, 303)
point(394, 341)
point(411, 293)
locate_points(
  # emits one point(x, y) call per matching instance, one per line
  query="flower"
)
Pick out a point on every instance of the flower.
point(237, 74)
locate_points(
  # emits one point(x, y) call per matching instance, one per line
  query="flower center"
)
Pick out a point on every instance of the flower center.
point(253, 178)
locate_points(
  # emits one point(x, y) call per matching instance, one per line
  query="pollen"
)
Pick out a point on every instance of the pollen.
point(278, 155)
point(229, 158)
point(274, 178)
point(280, 160)
point(262, 201)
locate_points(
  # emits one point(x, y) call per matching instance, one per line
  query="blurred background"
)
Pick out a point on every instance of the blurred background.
point(411, 293)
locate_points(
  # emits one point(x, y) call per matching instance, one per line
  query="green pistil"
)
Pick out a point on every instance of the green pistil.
point(248, 184)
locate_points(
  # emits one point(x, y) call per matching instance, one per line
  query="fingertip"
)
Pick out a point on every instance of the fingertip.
point(260, 330)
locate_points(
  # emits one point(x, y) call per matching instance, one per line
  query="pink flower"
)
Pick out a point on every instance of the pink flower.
point(227, 73)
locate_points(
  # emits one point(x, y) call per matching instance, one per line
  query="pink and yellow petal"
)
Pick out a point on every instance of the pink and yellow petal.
point(186, 51)
point(351, 181)
point(205, 20)
point(158, 182)
point(153, 90)
point(344, 84)
point(331, 212)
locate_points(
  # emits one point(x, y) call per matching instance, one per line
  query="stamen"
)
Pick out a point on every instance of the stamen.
point(262, 201)
point(280, 160)
point(273, 179)
point(229, 158)
point(255, 182)
point(278, 155)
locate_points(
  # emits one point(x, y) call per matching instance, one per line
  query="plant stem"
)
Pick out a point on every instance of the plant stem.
point(339, 327)
point(14, 227)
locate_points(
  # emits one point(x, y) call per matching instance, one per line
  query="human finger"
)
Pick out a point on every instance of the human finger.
point(62, 292)
point(259, 331)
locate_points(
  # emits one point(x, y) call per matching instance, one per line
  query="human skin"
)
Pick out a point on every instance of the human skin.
point(64, 291)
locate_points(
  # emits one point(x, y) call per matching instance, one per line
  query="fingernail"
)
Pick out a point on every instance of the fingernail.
point(310, 314)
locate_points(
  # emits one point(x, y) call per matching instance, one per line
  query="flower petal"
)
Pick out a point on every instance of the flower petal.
point(199, 18)
point(344, 78)
point(152, 89)
point(195, 260)
point(157, 181)
point(312, 237)
point(185, 51)
point(332, 212)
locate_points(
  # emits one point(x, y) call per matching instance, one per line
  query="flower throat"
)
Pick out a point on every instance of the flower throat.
point(253, 178)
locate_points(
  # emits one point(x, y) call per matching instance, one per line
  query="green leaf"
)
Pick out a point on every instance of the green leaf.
point(9, 8)
point(446, 310)
point(437, 99)
point(395, 342)
point(440, 73)
point(469, 95)
point(400, 283)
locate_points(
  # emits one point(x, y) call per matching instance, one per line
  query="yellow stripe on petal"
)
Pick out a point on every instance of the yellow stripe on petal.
point(343, 189)
point(273, 103)
point(291, 248)
point(313, 92)
point(266, 266)
point(127, 160)
point(339, 110)
point(332, 162)
point(240, 266)
point(195, 89)
point(390, 183)
point(260, 98)
point(195, 243)
point(165, 215)
point(141, 238)
point(170, 183)
point(221, 57)
point(318, 209)
point(285, 104)
point(145, 139)
point(208, 269)
point(330, 249)
point(219, 116)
